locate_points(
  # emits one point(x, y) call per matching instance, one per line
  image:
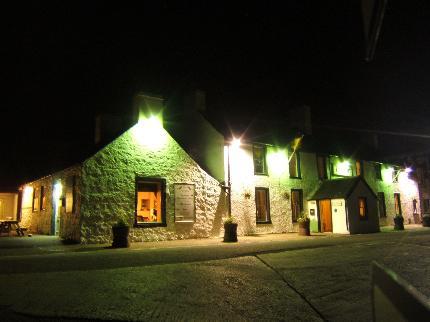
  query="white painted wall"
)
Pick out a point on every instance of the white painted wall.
point(338, 214)
point(313, 215)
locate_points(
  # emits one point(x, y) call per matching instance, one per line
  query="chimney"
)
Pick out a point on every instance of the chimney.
point(195, 101)
point(146, 105)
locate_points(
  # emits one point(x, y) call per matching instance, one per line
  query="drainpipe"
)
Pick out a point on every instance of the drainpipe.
point(228, 188)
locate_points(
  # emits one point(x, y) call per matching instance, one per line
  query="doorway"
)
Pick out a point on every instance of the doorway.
point(56, 211)
point(324, 206)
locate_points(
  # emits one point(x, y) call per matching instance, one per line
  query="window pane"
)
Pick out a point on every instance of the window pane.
point(321, 164)
point(397, 205)
point(362, 207)
point(259, 153)
point(35, 200)
point(381, 204)
point(149, 202)
point(378, 174)
point(42, 198)
point(294, 165)
point(296, 203)
point(262, 204)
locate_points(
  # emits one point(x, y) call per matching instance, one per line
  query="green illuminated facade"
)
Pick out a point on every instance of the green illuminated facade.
point(167, 188)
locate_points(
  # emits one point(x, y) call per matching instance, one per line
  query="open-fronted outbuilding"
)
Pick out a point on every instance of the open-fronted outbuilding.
point(344, 206)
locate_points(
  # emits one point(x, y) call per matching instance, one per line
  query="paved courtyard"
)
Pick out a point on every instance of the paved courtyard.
point(270, 277)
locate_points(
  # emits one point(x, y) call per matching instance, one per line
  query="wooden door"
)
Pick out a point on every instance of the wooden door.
point(325, 215)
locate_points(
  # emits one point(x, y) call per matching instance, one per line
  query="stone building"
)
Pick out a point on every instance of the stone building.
point(175, 180)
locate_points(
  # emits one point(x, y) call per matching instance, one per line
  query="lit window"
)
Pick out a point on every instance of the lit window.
point(397, 204)
point(296, 203)
point(259, 154)
point(262, 205)
point(150, 203)
point(358, 168)
point(381, 205)
point(35, 200)
point(362, 208)
point(70, 194)
point(294, 165)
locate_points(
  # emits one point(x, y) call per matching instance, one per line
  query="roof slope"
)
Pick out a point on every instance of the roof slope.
point(337, 188)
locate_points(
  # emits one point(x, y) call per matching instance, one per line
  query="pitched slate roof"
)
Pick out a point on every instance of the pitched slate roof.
point(337, 188)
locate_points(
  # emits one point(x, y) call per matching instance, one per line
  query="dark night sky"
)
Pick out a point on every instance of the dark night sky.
point(65, 62)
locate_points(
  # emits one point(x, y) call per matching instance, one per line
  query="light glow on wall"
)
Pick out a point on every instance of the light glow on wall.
point(27, 197)
point(241, 164)
point(387, 174)
point(277, 162)
point(149, 133)
point(57, 191)
point(343, 168)
point(407, 186)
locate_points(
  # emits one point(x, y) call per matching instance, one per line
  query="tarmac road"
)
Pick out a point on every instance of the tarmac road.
point(271, 277)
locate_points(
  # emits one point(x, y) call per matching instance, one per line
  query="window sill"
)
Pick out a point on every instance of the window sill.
point(264, 222)
point(261, 174)
point(295, 177)
point(149, 225)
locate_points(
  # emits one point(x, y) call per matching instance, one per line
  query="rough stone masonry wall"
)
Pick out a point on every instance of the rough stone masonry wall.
point(108, 190)
point(39, 221)
point(244, 183)
point(407, 188)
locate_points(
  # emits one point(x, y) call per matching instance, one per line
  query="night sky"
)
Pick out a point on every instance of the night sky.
point(63, 63)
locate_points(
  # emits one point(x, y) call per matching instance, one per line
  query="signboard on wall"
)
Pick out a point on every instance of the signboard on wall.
point(185, 209)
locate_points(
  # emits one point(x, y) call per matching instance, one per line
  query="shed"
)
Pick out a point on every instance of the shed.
point(344, 206)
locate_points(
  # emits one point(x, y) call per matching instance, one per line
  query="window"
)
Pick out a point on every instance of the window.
point(396, 173)
point(262, 205)
point(42, 198)
point(362, 208)
point(296, 203)
point(294, 165)
point(378, 174)
point(150, 202)
point(321, 167)
point(70, 194)
point(397, 204)
point(259, 154)
point(426, 205)
point(381, 205)
point(359, 168)
point(35, 200)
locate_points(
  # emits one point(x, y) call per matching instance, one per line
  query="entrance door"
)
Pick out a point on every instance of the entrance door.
point(325, 215)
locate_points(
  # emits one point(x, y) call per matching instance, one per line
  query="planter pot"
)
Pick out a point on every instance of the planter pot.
point(304, 228)
point(426, 221)
point(398, 223)
point(230, 233)
point(120, 237)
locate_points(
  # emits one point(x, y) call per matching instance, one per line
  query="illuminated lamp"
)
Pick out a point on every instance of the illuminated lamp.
point(149, 133)
point(57, 191)
point(235, 144)
point(277, 162)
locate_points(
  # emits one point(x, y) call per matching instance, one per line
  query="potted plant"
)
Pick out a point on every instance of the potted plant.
point(304, 225)
point(398, 222)
point(426, 220)
point(230, 230)
point(120, 233)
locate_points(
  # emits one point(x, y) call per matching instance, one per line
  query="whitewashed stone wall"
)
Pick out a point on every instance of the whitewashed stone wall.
point(279, 183)
point(407, 188)
point(108, 189)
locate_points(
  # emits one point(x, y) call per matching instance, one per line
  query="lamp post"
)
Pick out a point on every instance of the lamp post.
point(235, 143)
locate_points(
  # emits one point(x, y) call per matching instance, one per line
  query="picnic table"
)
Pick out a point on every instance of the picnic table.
point(7, 225)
